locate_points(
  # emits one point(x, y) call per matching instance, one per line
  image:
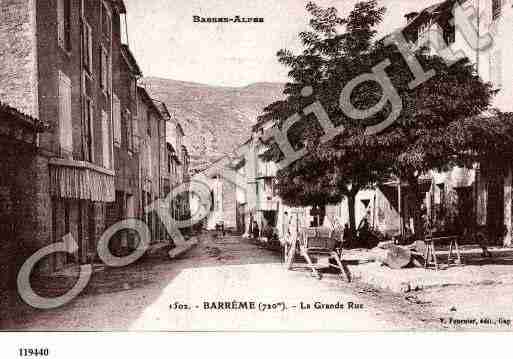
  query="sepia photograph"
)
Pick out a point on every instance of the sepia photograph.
point(292, 166)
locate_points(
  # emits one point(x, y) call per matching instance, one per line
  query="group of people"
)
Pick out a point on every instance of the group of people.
point(269, 232)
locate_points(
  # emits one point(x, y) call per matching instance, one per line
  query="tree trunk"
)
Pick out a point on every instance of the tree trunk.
point(351, 203)
point(416, 196)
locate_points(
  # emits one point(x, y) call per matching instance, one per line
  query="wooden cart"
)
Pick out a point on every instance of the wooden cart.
point(311, 243)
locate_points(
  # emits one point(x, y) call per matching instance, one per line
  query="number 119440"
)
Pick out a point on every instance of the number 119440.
point(33, 352)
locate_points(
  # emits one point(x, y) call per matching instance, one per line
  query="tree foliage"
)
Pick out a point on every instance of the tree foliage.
point(437, 126)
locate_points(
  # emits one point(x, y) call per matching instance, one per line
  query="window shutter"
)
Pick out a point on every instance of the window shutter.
point(88, 130)
point(106, 21)
point(60, 22)
point(116, 115)
point(128, 124)
point(65, 125)
point(149, 160)
point(103, 69)
point(106, 140)
point(109, 74)
point(88, 85)
point(135, 134)
point(87, 36)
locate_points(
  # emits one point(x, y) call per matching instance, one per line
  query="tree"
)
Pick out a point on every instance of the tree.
point(424, 135)
point(428, 130)
point(326, 175)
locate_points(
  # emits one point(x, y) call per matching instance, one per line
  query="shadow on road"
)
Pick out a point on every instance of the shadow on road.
point(116, 297)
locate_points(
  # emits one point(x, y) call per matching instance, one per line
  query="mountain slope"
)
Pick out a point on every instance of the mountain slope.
point(215, 119)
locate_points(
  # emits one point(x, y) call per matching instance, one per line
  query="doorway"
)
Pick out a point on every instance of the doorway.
point(495, 208)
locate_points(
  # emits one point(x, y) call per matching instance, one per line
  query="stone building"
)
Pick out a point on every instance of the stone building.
point(152, 138)
point(125, 122)
point(57, 67)
point(478, 196)
point(99, 156)
point(242, 189)
point(493, 199)
point(23, 196)
point(179, 164)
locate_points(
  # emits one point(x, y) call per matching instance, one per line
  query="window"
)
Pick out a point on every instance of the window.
point(135, 135)
point(116, 118)
point(133, 89)
point(64, 23)
point(88, 115)
point(106, 21)
point(440, 201)
point(128, 130)
point(149, 162)
point(496, 9)
point(88, 130)
point(87, 39)
point(106, 141)
point(130, 206)
point(148, 123)
point(105, 70)
point(65, 125)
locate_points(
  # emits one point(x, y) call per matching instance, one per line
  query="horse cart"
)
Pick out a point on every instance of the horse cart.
point(313, 243)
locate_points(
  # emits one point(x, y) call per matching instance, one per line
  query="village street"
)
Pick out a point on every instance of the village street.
point(143, 297)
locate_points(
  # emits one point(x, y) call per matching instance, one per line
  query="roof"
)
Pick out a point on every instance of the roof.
point(149, 101)
point(119, 5)
point(174, 155)
point(180, 128)
point(163, 109)
point(24, 120)
point(170, 147)
point(130, 60)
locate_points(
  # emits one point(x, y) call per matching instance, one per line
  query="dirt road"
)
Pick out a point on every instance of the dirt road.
point(225, 284)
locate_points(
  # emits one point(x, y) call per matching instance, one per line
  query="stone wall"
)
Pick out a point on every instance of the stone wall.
point(26, 206)
point(18, 61)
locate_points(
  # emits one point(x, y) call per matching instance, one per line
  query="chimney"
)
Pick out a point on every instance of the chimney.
point(410, 16)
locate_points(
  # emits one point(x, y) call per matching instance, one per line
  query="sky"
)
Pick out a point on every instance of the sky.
point(167, 43)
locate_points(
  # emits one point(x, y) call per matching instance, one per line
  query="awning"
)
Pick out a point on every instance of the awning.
point(81, 180)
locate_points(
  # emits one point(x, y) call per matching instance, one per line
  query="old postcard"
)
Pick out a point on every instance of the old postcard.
point(262, 166)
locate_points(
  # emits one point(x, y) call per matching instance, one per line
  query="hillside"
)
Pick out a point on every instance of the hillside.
point(215, 119)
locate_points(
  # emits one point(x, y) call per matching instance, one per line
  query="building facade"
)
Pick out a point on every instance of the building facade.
point(179, 166)
point(152, 124)
point(125, 122)
point(494, 183)
point(22, 191)
point(83, 145)
point(480, 197)
point(65, 79)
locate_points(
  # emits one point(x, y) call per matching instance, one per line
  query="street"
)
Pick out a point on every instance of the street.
point(224, 284)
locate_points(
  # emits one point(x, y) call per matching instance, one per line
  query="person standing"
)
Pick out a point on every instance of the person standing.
point(256, 230)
